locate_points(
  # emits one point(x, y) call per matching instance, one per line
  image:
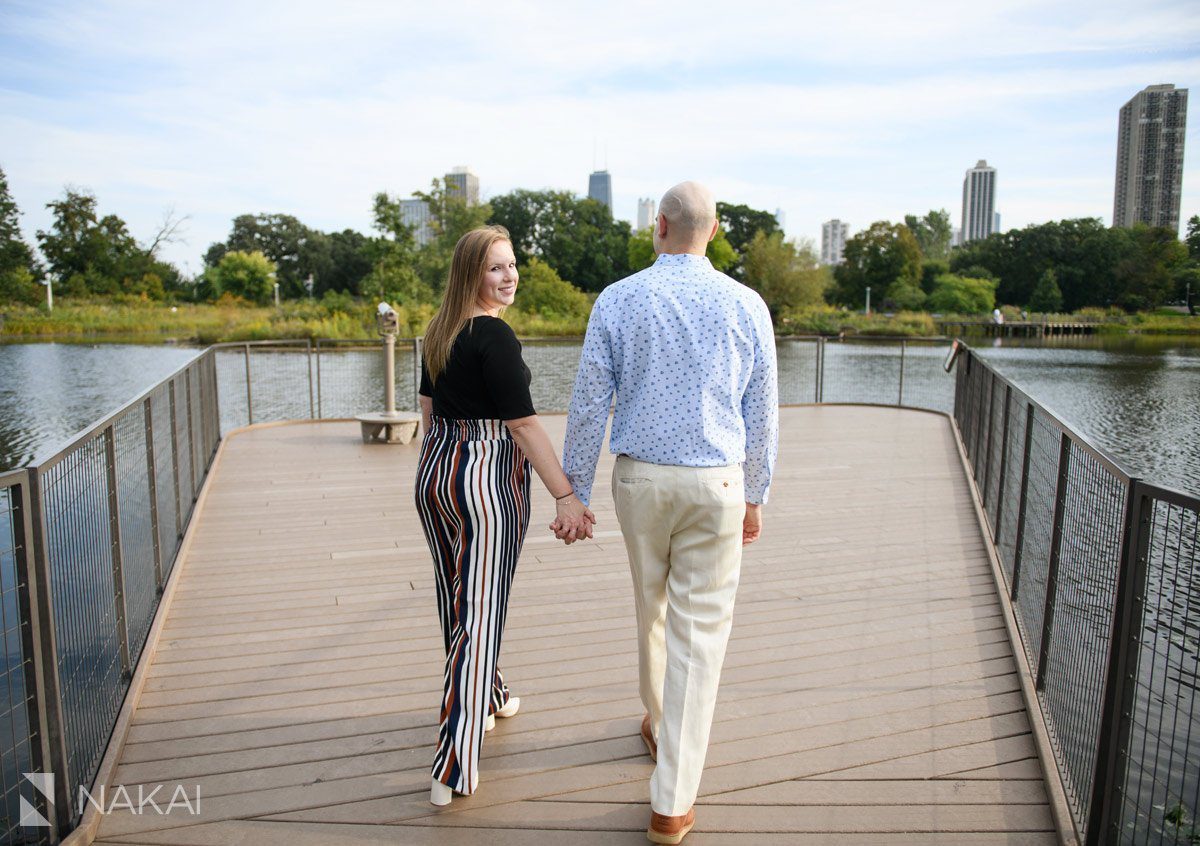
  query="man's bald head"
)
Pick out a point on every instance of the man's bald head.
point(690, 214)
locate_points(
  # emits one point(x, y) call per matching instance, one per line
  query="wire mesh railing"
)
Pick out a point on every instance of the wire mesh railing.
point(88, 537)
point(1104, 574)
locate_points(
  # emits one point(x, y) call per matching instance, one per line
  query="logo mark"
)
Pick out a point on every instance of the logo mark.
point(44, 784)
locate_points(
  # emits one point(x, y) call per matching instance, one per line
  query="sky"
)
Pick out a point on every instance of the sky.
point(856, 110)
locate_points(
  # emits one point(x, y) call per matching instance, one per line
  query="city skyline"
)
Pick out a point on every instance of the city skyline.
point(863, 113)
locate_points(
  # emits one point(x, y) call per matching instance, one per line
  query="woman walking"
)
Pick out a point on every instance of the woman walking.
point(472, 491)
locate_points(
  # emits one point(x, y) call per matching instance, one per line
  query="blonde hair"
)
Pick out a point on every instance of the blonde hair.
point(462, 292)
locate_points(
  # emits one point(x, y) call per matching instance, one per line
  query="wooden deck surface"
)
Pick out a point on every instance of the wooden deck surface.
point(869, 696)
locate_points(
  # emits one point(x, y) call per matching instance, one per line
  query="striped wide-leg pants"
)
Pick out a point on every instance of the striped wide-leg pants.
point(472, 494)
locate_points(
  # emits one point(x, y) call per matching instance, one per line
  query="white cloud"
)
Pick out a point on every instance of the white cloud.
point(861, 110)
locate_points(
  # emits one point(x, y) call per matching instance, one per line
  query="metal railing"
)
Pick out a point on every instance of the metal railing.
point(88, 538)
point(288, 380)
point(1103, 570)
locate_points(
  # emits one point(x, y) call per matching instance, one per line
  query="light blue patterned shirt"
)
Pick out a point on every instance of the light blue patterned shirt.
point(690, 354)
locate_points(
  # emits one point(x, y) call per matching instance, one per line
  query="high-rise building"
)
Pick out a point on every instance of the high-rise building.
point(415, 213)
point(465, 184)
point(979, 202)
point(833, 240)
point(1150, 135)
point(780, 219)
point(646, 213)
point(600, 187)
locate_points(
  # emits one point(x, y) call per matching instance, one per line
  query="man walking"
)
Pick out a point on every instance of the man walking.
point(690, 355)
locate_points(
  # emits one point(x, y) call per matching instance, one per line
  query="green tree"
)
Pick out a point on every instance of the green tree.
point(1046, 297)
point(542, 291)
point(88, 254)
point(577, 237)
point(350, 263)
point(741, 223)
point(932, 233)
point(878, 257)
point(393, 256)
point(962, 295)
point(640, 251)
point(903, 295)
point(720, 252)
point(1146, 277)
point(1192, 239)
point(250, 276)
point(18, 271)
point(787, 275)
point(296, 250)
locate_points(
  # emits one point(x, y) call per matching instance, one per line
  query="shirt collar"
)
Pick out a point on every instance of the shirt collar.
point(682, 260)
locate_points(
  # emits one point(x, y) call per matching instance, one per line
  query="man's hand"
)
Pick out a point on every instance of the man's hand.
point(573, 521)
point(751, 524)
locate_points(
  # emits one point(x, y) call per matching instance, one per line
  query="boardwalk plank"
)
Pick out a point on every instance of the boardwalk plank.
point(869, 694)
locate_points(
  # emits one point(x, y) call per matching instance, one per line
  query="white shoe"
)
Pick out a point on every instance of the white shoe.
point(510, 708)
point(490, 723)
point(440, 794)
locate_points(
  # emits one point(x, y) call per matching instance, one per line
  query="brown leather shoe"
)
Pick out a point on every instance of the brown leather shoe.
point(670, 830)
point(648, 739)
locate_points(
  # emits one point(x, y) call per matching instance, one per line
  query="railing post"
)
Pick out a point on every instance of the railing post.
point(175, 460)
point(1022, 503)
point(903, 346)
point(1116, 718)
point(820, 397)
point(30, 633)
point(987, 449)
point(187, 384)
point(118, 566)
point(1003, 465)
point(312, 409)
point(418, 346)
point(50, 717)
point(1060, 505)
point(152, 478)
point(249, 398)
point(320, 412)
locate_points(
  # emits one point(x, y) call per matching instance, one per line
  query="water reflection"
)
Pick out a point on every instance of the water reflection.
point(48, 392)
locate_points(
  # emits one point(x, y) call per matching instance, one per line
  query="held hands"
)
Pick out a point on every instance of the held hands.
point(574, 520)
point(751, 524)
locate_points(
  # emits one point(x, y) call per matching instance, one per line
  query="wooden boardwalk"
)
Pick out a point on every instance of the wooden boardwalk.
point(870, 694)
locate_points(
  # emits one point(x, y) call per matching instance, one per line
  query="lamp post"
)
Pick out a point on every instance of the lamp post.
point(868, 308)
point(49, 292)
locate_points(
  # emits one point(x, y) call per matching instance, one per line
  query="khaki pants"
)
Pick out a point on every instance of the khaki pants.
point(682, 528)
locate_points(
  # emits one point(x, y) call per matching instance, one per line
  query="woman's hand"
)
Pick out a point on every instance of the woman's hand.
point(573, 520)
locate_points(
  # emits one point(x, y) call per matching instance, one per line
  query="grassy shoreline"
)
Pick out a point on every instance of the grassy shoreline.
point(207, 323)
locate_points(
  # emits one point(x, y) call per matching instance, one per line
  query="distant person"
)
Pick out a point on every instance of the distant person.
point(472, 491)
point(997, 317)
point(690, 355)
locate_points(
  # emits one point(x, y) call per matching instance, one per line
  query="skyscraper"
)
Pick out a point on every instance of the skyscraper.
point(600, 187)
point(979, 202)
point(415, 213)
point(1150, 157)
point(646, 213)
point(462, 182)
point(833, 240)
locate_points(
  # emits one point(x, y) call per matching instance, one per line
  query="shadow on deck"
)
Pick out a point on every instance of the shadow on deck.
point(870, 694)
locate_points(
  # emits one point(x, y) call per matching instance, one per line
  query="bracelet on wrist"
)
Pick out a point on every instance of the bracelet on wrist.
point(564, 496)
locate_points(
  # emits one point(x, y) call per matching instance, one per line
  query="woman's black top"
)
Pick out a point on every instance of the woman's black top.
point(485, 377)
